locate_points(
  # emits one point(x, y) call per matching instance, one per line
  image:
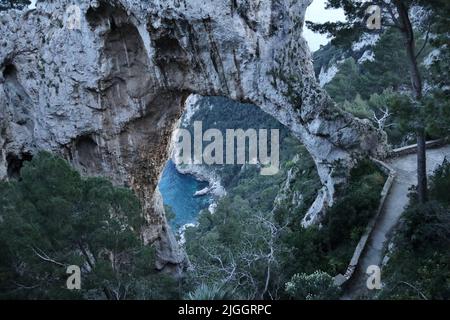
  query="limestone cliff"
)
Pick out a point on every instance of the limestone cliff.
point(105, 91)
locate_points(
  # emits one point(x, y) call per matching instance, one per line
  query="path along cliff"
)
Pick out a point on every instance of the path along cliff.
point(405, 167)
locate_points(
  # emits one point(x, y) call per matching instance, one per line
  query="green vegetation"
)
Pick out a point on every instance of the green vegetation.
point(238, 248)
point(344, 86)
point(419, 264)
point(222, 114)
point(398, 15)
point(376, 88)
point(326, 56)
point(251, 248)
point(316, 286)
point(52, 218)
point(331, 247)
point(386, 71)
point(205, 292)
point(390, 91)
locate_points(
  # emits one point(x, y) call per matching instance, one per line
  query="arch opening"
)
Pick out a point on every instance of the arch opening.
point(150, 67)
point(192, 185)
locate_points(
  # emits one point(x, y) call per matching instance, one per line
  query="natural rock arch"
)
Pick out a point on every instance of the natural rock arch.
point(113, 90)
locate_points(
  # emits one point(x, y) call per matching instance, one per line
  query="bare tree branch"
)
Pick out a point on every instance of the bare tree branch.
point(416, 289)
point(42, 255)
point(381, 121)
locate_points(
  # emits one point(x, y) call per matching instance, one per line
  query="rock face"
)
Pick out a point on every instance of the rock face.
point(104, 82)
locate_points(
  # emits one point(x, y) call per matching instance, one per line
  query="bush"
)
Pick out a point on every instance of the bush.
point(316, 286)
point(52, 218)
point(208, 292)
point(419, 265)
point(347, 219)
point(440, 184)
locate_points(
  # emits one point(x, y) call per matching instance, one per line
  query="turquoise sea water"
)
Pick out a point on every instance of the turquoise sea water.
point(178, 192)
point(218, 113)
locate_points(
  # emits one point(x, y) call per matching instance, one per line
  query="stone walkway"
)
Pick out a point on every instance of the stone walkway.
point(406, 176)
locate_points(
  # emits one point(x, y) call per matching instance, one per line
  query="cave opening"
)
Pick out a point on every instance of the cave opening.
point(86, 154)
point(9, 71)
point(15, 163)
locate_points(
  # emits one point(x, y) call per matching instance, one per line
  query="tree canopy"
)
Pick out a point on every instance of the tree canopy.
point(13, 4)
point(52, 218)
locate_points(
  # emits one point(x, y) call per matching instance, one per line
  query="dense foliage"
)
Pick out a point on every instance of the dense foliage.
point(253, 246)
point(238, 248)
point(412, 18)
point(378, 86)
point(254, 243)
point(419, 263)
point(222, 114)
point(330, 247)
point(52, 218)
point(315, 286)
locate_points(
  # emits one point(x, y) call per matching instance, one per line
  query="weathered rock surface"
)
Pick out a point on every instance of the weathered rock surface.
point(106, 95)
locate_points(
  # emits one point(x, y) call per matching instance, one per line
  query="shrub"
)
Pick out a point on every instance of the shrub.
point(208, 292)
point(419, 266)
point(316, 286)
point(440, 183)
point(52, 218)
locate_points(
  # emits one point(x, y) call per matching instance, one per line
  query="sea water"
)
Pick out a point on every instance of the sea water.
point(178, 192)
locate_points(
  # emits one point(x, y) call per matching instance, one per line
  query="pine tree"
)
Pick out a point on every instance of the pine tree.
point(394, 14)
point(52, 218)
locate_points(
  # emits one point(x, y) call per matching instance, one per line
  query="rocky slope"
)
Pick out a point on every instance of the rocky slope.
point(205, 172)
point(106, 92)
point(328, 59)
